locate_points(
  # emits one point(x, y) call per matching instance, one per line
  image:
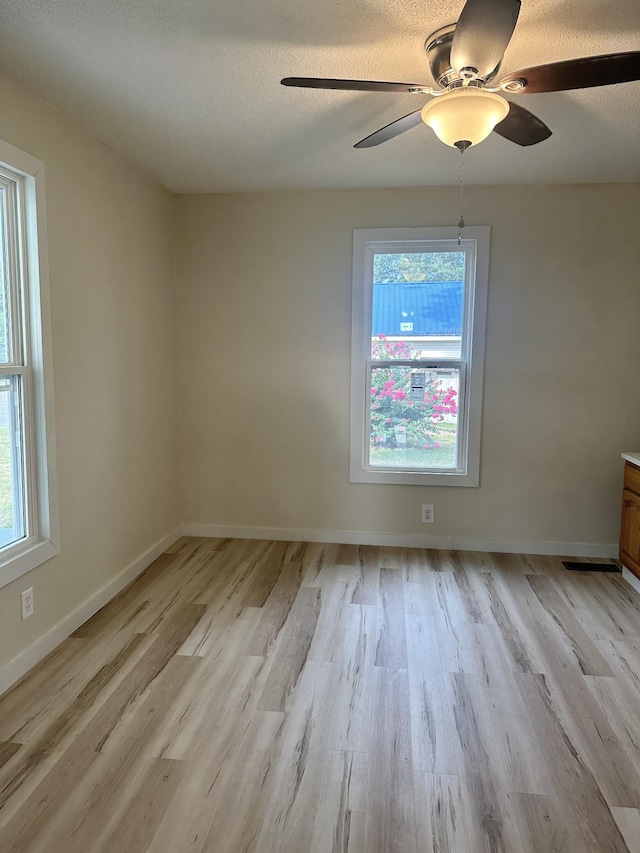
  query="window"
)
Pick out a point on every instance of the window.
point(418, 321)
point(28, 512)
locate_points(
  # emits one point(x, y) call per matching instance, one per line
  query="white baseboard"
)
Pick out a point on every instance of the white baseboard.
point(27, 659)
point(631, 579)
point(405, 540)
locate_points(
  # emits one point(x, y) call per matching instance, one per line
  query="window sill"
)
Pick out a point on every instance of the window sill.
point(23, 557)
point(414, 478)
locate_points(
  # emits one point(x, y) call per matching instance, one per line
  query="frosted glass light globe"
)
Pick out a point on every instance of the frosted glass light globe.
point(464, 115)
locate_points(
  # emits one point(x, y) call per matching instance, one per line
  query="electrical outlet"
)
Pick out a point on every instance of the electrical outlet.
point(26, 601)
point(428, 514)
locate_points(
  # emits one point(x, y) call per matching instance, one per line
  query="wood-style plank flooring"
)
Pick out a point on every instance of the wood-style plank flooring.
point(283, 697)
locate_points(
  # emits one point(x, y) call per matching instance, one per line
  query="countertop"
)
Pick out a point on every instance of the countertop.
point(634, 458)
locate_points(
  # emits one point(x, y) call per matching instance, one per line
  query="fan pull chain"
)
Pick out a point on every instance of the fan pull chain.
point(461, 222)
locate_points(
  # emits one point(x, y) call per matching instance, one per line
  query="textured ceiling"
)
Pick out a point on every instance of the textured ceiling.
point(189, 89)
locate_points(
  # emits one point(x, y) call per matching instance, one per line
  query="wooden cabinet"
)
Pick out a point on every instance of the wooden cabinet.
point(630, 525)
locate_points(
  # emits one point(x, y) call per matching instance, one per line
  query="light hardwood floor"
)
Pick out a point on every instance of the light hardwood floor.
point(248, 696)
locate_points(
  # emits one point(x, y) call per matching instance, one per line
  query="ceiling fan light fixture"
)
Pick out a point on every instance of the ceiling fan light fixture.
point(465, 115)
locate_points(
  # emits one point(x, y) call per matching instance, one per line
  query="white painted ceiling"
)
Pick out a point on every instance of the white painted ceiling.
point(190, 89)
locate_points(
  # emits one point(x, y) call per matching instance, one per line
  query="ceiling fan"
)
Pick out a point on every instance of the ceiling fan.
point(464, 58)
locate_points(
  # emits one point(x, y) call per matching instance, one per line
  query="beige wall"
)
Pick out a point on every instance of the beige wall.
point(113, 318)
point(265, 316)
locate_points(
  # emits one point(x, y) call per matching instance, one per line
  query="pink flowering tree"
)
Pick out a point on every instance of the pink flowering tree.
point(393, 410)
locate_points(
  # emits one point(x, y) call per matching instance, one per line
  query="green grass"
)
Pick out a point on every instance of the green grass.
point(418, 457)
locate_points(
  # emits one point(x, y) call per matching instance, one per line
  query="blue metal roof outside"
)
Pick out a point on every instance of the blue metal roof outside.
point(418, 309)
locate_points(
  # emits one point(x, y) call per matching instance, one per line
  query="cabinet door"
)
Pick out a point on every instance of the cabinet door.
point(630, 532)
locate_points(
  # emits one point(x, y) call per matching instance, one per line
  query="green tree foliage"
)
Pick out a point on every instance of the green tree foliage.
point(3, 289)
point(430, 266)
point(3, 323)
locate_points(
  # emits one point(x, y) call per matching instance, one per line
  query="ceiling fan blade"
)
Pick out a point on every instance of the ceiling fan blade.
point(352, 85)
point(579, 73)
point(389, 131)
point(522, 127)
point(482, 35)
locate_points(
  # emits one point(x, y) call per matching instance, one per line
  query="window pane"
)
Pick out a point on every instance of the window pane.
point(413, 417)
point(4, 314)
point(418, 300)
point(11, 465)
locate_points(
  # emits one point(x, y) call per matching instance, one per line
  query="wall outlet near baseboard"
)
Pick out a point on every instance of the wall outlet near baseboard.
point(26, 603)
point(428, 514)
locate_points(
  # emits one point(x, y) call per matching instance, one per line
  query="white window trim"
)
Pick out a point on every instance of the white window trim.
point(44, 541)
point(364, 239)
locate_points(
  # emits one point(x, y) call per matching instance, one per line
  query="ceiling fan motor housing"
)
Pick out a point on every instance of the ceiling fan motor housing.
point(438, 49)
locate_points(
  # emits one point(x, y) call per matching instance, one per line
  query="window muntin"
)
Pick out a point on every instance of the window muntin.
point(419, 306)
point(28, 506)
